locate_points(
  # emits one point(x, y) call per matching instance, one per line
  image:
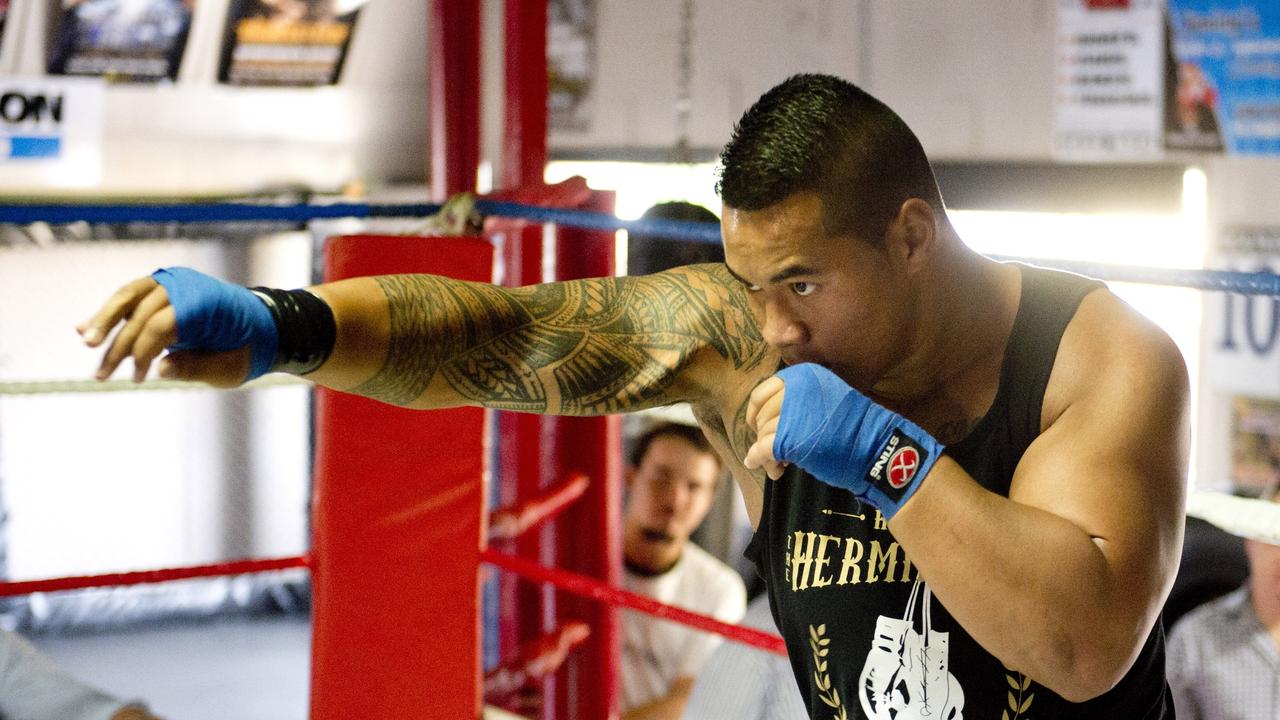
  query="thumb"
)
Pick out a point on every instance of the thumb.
point(226, 369)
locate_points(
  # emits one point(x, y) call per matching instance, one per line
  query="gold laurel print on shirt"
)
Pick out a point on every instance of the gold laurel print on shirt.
point(906, 675)
point(818, 643)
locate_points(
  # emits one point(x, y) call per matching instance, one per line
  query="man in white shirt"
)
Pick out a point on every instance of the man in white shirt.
point(671, 482)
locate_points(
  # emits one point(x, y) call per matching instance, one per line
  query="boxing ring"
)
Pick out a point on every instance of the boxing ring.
point(403, 536)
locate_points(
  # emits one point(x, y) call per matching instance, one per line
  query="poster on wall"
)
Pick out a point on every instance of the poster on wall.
point(121, 40)
point(1108, 84)
point(571, 63)
point(1255, 445)
point(51, 132)
point(287, 43)
point(1224, 77)
point(1241, 332)
point(4, 10)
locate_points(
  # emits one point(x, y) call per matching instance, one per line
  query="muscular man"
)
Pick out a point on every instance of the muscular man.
point(671, 481)
point(967, 483)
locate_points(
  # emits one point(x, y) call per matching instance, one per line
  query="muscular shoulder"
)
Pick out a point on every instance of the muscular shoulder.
point(1111, 351)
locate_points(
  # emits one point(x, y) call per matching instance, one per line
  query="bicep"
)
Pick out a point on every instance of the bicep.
point(1114, 464)
point(638, 342)
point(1114, 461)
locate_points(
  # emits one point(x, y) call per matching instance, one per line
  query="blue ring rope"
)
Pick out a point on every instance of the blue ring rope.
point(1244, 283)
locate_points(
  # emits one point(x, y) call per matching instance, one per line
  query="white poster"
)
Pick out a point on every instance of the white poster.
point(51, 132)
point(1108, 81)
point(1240, 340)
point(1242, 332)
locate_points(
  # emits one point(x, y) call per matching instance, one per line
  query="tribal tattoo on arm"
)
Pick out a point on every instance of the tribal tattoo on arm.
point(582, 347)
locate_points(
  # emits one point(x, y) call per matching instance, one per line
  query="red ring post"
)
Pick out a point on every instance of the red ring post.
point(398, 525)
point(589, 539)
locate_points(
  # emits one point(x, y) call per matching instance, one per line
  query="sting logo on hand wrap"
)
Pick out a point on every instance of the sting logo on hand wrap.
point(896, 465)
point(902, 466)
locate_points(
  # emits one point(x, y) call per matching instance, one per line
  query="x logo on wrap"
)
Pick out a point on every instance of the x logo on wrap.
point(902, 466)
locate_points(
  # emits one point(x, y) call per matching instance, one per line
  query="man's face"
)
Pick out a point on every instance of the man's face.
point(836, 301)
point(671, 491)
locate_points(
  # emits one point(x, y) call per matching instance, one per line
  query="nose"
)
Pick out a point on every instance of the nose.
point(672, 496)
point(780, 327)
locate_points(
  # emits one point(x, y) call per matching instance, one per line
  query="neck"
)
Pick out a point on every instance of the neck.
point(966, 305)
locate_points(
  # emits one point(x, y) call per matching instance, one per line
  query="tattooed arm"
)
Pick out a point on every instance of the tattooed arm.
point(577, 348)
point(582, 347)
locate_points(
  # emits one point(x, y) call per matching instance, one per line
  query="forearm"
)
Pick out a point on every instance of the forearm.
point(1031, 587)
point(427, 341)
point(363, 321)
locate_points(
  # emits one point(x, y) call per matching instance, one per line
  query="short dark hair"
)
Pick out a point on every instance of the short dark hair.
point(689, 433)
point(650, 253)
point(821, 134)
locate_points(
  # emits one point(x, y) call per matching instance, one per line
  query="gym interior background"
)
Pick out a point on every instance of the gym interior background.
point(642, 96)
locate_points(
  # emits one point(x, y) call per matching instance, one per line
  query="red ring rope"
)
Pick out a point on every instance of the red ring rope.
point(596, 590)
point(235, 567)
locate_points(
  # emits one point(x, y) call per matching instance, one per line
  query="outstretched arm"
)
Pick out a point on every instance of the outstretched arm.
point(578, 348)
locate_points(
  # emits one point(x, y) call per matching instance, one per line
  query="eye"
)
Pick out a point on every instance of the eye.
point(803, 288)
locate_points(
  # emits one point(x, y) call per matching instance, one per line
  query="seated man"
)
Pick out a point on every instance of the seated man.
point(33, 688)
point(671, 480)
point(740, 682)
point(1224, 656)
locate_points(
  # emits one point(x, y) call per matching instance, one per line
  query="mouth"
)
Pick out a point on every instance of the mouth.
point(657, 536)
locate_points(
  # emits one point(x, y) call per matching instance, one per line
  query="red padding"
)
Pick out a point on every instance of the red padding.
point(397, 511)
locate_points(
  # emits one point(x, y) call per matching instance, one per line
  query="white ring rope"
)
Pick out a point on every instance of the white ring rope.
point(49, 387)
point(1245, 517)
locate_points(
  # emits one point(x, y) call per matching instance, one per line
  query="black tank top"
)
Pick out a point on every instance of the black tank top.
point(865, 636)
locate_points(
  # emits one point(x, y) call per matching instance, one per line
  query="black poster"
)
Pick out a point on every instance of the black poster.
point(296, 43)
point(123, 40)
point(4, 10)
point(571, 63)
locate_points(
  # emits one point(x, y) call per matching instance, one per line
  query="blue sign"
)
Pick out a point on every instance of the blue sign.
point(1224, 77)
point(34, 147)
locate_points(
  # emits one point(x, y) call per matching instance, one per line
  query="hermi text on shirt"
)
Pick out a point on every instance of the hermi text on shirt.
point(818, 560)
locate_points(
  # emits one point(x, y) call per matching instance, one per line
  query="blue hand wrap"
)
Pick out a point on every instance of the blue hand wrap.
point(844, 439)
point(215, 316)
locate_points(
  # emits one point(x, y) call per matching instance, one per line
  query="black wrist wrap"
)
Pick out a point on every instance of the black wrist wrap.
point(305, 326)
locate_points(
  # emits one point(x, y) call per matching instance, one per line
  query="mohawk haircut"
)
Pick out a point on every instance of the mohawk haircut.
point(821, 134)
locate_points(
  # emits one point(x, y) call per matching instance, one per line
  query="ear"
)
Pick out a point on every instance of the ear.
point(912, 233)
